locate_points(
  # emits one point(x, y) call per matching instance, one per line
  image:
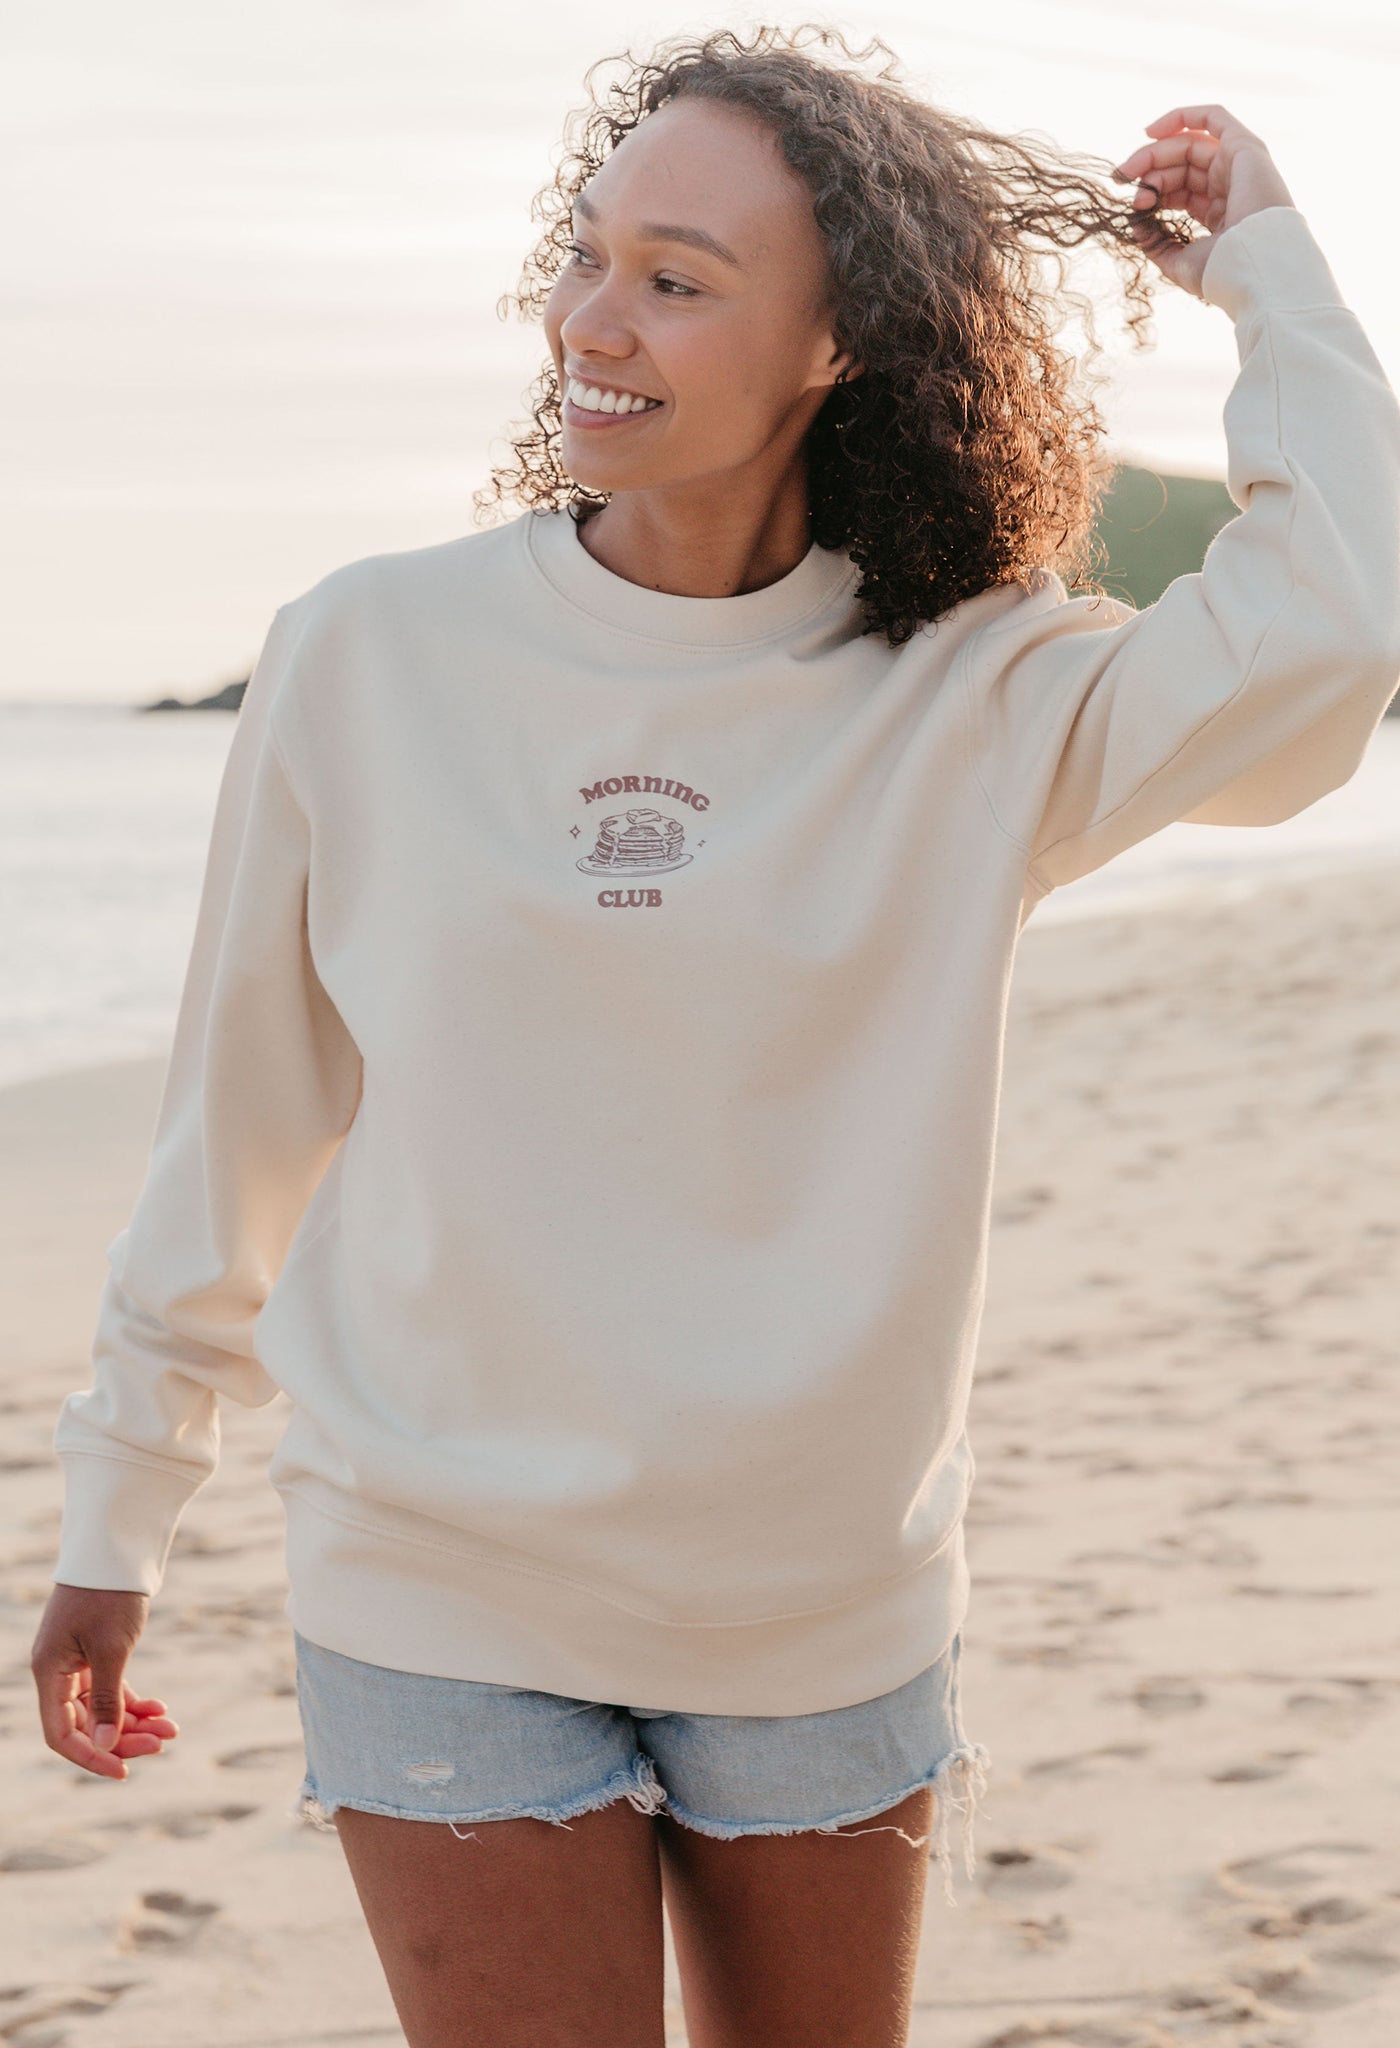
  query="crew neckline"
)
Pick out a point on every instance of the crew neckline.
point(554, 545)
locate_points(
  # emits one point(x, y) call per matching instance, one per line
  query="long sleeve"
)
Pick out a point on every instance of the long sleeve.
point(261, 1085)
point(1253, 687)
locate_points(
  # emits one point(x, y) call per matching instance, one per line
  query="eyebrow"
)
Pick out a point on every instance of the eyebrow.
point(662, 231)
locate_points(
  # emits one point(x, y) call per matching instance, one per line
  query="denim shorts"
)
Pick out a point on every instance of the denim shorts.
point(465, 1751)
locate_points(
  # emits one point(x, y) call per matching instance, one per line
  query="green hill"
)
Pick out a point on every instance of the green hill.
point(1157, 527)
point(1154, 528)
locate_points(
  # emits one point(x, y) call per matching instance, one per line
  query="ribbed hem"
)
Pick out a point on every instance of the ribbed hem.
point(119, 1518)
point(1269, 262)
point(412, 1606)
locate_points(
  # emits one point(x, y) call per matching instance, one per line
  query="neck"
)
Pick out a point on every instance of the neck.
point(683, 542)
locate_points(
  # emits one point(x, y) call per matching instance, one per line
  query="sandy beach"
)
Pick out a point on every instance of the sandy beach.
point(1184, 1645)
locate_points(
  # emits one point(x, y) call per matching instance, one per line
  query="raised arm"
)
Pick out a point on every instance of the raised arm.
point(262, 1082)
point(1253, 687)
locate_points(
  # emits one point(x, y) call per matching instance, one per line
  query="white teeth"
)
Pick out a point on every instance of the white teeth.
point(592, 398)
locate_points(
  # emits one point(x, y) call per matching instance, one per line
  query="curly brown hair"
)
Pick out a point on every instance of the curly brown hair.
point(967, 453)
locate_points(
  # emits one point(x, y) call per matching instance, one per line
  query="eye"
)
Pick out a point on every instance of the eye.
point(578, 255)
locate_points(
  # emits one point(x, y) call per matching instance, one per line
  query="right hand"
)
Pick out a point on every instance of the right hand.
point(1204, 162)
point(79, 1661)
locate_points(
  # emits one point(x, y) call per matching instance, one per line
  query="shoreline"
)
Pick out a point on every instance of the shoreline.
point(98, 958)
point(1133, 898)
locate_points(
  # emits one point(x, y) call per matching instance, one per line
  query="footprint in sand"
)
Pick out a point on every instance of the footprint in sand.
point(1318, 1983)
point(1167, 1693)
point(1178, 1549)
point(70, 1853)
point(1061, 1656)
point(1291, 1923)
point(1090, 1763)
point(279, 1679)
point(1290, 1870)
point(1047, 2033)
point(261, 1755)
point(181, 1824)
point(1312, 1899)
point(1337, 1706)
point(27, 2010)
point(1244, 1497)
point(1021, 1205)
point(1036, 1936)
point(1272, 1764)
point(1304, 1592)
point(1026, 1868)
point(164, 1920)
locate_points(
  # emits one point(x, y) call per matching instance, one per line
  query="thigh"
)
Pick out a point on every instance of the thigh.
point(795, 1853)
point(801, 1940)
point(521, 1935)
point(502, 1847)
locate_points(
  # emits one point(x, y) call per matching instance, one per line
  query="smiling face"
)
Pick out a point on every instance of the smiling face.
point(698, 281)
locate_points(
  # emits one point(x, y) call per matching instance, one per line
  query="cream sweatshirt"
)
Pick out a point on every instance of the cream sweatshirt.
point(583, 1097)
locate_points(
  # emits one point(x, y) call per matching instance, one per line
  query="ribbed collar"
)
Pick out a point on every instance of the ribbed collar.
point(553, 545)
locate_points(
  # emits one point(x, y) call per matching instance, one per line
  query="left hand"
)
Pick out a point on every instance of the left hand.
point(1205, 163)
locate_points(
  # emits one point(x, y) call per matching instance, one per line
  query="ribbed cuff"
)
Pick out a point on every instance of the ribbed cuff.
point(119, 1521)
point(1269, 262)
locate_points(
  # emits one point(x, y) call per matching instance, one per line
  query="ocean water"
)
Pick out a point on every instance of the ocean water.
point(104, 825)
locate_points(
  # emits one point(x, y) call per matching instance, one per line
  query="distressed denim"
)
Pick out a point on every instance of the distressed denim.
point(465, 1751)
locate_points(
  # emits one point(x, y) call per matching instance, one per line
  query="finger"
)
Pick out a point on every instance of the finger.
point(156, 1724)
point(1176, 150)
point(1148, 200)
point(1174, 186)
point(145, 1717)
point(79, 1749)
point(1216, 120)
point(59, 1709)
point(106, 1697)
point(136, 1742)
point(150, 1712)
point(140, 1735)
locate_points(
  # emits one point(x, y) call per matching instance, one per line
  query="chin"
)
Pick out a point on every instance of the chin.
point(603, 476)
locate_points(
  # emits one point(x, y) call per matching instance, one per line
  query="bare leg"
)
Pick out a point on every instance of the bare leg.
point(515, 1933)
point(798, 1941)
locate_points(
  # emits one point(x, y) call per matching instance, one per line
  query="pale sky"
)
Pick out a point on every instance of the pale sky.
point(253, 257)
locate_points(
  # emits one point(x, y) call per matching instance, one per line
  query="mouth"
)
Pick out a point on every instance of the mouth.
point(593, 417)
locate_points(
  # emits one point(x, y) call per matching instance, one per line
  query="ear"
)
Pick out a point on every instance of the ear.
point(844, 368)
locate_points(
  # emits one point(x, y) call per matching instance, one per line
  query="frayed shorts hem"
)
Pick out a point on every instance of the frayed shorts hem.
point(639, 1784)
point(959, 1780)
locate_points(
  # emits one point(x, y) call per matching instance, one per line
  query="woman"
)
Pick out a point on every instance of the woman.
point(583, 1098)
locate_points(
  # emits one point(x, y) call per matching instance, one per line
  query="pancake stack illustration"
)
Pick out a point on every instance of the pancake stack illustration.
point(637, 842)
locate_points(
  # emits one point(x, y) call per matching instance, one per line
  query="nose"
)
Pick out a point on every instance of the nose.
point(597, 326)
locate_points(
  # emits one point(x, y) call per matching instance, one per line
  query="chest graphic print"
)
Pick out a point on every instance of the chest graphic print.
point(640, 841)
